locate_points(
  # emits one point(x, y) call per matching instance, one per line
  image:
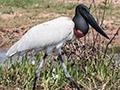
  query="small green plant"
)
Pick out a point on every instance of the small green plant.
point(10, 11)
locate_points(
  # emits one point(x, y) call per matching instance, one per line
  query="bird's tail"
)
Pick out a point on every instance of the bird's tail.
point(12, 51)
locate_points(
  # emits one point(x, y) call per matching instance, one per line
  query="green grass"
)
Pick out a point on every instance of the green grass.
point(19, 3)
point(43, 4)
point(92, 74)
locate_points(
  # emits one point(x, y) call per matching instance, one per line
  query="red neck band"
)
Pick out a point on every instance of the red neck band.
point(78, 33)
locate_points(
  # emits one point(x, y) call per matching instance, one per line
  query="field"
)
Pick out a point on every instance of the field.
point(89, 62)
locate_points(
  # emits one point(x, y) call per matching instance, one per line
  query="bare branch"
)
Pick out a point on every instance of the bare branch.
point(111, 41)
point(103, 13)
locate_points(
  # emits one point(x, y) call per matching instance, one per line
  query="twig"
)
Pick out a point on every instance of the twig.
point(96, 12)
point(110, 42)
point(91, 5)
point(103, 13)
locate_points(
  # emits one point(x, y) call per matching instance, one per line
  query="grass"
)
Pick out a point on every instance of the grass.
point(89, 73)
point(19, 3)
point(95, 74)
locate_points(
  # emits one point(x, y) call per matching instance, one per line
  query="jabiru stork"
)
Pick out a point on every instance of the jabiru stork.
point(52, 34)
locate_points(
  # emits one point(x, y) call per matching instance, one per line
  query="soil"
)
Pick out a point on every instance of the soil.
point(9, 35)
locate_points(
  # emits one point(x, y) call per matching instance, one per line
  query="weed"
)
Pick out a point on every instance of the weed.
point(8, 12)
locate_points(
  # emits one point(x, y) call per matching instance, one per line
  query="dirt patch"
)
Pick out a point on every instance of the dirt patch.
point(10, 35)
point(44, 15)
point(11, 15)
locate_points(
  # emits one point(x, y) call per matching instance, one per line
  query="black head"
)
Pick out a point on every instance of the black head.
point(83, 17)
point(82, 7)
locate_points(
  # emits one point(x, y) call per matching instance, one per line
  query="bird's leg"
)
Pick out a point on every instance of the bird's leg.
point(66, 73)
point(37, 73)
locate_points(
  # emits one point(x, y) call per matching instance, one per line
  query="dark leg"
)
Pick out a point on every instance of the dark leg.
point(66, 73)
point(37, 73)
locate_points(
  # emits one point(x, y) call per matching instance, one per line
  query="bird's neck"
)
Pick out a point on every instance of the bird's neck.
point(81, 26)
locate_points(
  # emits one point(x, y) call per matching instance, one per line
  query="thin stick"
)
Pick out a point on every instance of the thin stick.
point(91, 5)
point(110, 42)
point(103, 13)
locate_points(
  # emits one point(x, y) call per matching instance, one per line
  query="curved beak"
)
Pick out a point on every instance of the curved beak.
point(90, 19)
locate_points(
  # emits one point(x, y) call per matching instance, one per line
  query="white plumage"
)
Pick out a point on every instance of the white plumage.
point(48, 35)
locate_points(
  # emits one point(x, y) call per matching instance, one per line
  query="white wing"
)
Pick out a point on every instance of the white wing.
point(44, 35)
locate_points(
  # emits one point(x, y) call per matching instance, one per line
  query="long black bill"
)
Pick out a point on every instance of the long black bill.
point(90, 19)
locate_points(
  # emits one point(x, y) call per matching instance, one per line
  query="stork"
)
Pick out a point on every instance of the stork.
point(52, 34)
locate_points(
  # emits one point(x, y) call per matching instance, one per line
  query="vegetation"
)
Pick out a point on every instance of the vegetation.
point(84, 59)
point(89, 74)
